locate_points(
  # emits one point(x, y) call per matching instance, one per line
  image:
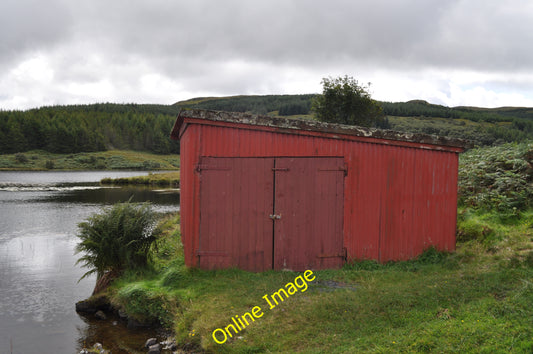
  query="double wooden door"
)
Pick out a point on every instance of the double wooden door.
point(271, 213)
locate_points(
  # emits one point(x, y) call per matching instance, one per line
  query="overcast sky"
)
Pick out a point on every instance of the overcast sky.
point(451, 52)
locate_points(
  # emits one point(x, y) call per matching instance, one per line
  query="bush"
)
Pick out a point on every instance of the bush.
point(432, 256)
point(497, 178)
point(472, 229)
point(49, 164)
point(150, 165)
point(21, 158)
point(117, 239)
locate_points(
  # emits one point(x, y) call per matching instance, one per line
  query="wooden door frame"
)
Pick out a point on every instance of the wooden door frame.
point(210, 257)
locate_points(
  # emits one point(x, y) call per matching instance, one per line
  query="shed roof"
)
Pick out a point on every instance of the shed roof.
point(299, 124)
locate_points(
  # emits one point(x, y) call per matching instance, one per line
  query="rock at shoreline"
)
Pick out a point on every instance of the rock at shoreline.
point(169, 344)
point(93, 304)
point(122, 314)
point(100, 315)
point(97, 348)
point(154, 349)
point(150, 342)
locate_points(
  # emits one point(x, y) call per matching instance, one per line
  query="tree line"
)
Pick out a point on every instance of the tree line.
point(146, 127)
point(72, 129)
point(493, 125)
point(284, 105)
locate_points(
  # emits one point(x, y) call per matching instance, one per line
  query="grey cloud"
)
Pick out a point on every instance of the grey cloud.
point(475, 34)
point(199, 44)
point(27, 25)
point(411, 32)
point(491, 35)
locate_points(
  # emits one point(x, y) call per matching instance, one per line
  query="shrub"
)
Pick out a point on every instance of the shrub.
point(497, 178)
point(21, 158)
point(117, 239)
point(49, 165)
point(473, 229)
point(150, 165)
point(432, 256)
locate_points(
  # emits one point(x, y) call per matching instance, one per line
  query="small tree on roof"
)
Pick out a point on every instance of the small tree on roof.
point(344, 101)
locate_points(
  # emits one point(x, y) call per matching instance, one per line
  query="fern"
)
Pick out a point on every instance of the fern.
point(117, 239)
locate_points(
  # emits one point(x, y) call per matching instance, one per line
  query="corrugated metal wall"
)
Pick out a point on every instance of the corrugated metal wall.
point(399, 197)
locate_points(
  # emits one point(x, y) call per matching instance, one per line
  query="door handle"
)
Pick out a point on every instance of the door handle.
point(274, 216)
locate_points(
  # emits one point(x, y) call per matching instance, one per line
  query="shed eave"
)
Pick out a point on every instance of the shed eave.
point(175, 133)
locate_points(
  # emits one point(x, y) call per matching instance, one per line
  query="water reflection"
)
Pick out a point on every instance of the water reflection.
point(112, 195)
point(38, 276)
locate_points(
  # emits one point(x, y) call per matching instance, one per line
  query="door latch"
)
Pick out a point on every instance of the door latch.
point(274, 216)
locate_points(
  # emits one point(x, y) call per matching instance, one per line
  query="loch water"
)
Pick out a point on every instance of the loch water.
point(39, 214)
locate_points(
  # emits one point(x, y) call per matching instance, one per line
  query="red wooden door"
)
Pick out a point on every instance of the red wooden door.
point(264, 213)
point(235, 201)
point(309, 197)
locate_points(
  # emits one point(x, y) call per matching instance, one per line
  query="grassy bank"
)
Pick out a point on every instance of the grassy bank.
point(152, 179)
point(476, 300)
point(103, 160)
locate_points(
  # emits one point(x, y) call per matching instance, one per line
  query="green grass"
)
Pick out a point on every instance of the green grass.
point(104, 160)
point(478, 299)
point(153, 179)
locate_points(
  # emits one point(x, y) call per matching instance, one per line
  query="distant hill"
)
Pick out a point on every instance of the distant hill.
point(278, 103)
point(115, 108)
point(146, 127)
point(483, 126)
point(284, 105)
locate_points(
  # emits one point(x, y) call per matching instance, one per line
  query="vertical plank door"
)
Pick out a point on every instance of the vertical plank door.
point(308, 204)
point(236, 198)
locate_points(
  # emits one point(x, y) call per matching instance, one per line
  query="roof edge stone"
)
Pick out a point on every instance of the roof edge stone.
point(313, 125)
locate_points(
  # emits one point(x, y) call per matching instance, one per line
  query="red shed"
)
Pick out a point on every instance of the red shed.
point(261, 193)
